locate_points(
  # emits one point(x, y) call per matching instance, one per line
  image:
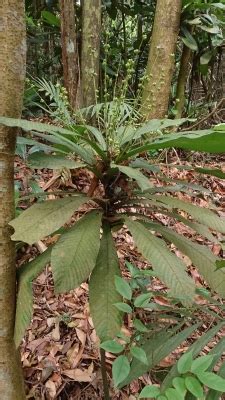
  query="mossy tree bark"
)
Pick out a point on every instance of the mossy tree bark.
point(160, 67)
point(12, 73)
point(70, 58)
point(90, 50)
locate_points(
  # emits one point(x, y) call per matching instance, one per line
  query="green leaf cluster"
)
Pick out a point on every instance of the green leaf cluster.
point(193, 378)
point(86, 250)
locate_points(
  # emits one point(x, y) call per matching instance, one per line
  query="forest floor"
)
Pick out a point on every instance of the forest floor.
point(60, 353)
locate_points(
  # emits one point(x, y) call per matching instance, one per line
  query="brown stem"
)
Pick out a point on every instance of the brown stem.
point(182, 80)
point(95, 181)
point(104, 375)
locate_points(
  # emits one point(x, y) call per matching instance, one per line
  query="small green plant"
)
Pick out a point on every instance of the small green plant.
point(193, 378)
point(53, 100)
point(116, 153)
point(135, 355)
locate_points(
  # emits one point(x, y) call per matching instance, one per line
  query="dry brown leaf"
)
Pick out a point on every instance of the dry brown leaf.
point(79, 375)
point(51, 387)
point(72, 354)
point(46, 373)
point(56, 332)
point(81, 336)
point(216, 248)
point(162, 301)
point(168, 361)
point(35, 343)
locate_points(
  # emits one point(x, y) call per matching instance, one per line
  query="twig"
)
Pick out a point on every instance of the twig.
point(207, 116)
point(51, 181)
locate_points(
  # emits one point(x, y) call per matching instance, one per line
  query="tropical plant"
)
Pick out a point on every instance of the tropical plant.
point(121, 194)
point(194, 375)
point(202, 36)
point(153, 322)
point(202, 30)
point(52, 99)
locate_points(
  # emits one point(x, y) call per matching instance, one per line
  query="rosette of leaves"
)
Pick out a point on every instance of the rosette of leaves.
point(113, 153)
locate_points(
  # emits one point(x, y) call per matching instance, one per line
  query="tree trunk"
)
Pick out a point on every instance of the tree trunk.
point(12, 73)
point(182, 80)
point(90, 50)
point(156, 91)
point(69, 51)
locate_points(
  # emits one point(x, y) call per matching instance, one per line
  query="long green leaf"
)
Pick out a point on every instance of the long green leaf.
point(102, 292)
point(199, 228)
point(203, 215)
point(200, 255)
point(42, 219)
point(195, 349)
point(74, 255)
point(214, 172)
point(216, 352)
point(209, 141)
point(214, 394)
point(166, 265)
point(24, 306)
point(135, 174)
point(98, 135)
point(142, 164)
point(23, 141)
point(41, 160)
point(191, 44)
point(85, 154)
point(33, 126)
point(153, 125)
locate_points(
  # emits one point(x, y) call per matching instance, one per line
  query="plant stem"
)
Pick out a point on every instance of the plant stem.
point(182, 80)
point(104, 375)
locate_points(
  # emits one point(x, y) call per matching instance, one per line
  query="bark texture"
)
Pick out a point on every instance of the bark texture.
point(90, 50)
point(12, 73)
point(160, 67)
point(182, 80)
point(70, 58)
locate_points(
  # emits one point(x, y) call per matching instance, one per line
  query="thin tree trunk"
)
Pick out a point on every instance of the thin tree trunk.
point(160, 67)
point(182, 80)
point(90, 50)
point(69, 51)
point(12, 73)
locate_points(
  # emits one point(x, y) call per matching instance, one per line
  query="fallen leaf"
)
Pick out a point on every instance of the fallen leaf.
point(79, 375)
point(51, 387)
